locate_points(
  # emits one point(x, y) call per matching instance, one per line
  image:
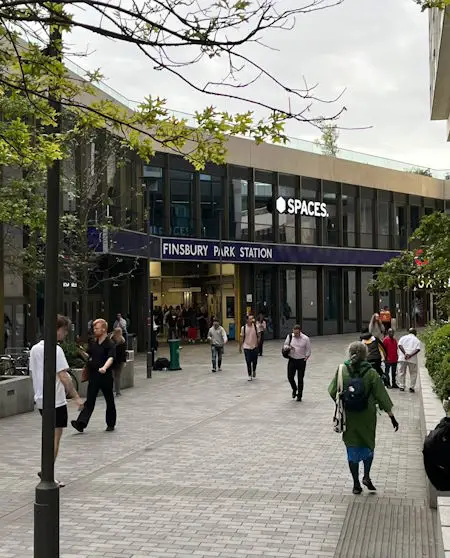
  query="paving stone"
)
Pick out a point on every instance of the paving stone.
point(213, 465)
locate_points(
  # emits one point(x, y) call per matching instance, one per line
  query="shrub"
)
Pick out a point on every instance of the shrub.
point(438, 359)
point(72, 353)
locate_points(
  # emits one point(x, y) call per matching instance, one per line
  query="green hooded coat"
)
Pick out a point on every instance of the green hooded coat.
point(361, 426)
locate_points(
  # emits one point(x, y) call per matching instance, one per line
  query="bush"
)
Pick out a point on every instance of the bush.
point(72, 353)
point(437, 345)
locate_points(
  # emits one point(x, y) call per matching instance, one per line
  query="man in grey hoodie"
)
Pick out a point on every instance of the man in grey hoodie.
point(217, 337)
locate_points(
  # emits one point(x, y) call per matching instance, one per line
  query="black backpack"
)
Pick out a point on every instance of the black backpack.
point(161, 363)
point(436, 455)
point(354, 397)
point(286, 352)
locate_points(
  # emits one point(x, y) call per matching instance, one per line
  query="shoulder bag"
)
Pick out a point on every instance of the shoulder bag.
point(339, 423)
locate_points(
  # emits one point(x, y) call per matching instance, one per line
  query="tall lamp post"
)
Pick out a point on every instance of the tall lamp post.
point(46, 506)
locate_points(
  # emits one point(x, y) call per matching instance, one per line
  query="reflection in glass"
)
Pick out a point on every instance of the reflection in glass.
point(153, 180)
point(239, 209)
point(383, 225)
point(309, 225)
point(181, 203)
point(348, 220)
point(400, 227)
point(263, 218)
point(288, 301)
point(366, 223)
point(286, 222)
point(309, 301)
point(366, 298)
point(415, 217)
point(211, 205)
point(349, 300)
point(331, 302)
point(331, 228)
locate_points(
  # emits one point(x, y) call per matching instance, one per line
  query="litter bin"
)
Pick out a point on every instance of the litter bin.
point(232, 332)
point(174, 346)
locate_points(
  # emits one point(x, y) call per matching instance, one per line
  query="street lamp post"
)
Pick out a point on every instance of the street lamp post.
point(46, 506)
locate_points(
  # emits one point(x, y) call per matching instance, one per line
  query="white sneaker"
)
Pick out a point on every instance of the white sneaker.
point(249, 378)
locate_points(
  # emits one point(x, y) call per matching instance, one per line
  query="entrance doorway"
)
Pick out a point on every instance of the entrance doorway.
point(14, 320)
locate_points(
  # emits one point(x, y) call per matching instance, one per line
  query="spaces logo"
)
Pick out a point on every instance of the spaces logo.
point(293, 206)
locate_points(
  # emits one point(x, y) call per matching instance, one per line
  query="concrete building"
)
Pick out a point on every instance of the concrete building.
point(439, 45)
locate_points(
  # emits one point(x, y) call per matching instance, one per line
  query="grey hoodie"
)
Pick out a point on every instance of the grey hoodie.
point(218, 337)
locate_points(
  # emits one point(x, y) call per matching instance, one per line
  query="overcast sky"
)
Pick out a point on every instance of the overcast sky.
point(377, 50)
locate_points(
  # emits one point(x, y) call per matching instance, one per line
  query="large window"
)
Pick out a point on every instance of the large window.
point(349, 194)
point(309, 301)
point(366, 216)
point(211, 205)
point(264, 281)
point(383, 224)
point(310, 225)
point(330, 197)
point(181, 203)
point(331, 300)
point(239, 209)
point(415, 217)
point(400, 236)
point(350, 324)
point(288, 301)
point(366, 298)
point(263, 217)
point(286, 222)
point(153, 180)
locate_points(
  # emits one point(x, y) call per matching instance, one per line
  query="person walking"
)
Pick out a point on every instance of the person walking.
point(249, 341)
point(376, 327)
point(63, 382)
point(299, 347)
point(101, 354)
point(261, 326)
point(362, 391)
point(376, 352)
point(121, 323)
point(408, 349)
point(218, 338)
point(386, 319)
point(120, 360)
point(390, 364)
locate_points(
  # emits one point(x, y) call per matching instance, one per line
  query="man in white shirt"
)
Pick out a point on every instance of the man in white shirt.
point(408, 348)
point(299, 347)
point(217, 336)
point(63, 382)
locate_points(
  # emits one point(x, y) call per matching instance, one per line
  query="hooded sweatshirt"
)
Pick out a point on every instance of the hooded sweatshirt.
point(375, 347)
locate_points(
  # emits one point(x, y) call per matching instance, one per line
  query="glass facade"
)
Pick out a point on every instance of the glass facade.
point(310, 312)
point(263, 217)
point(311, 191)
point(288, 300)
point(331, 300)
point(211, 206)
point(238, 217)
point(181, 203)
point(287, 222)
point(350, 301)
point(153, 181)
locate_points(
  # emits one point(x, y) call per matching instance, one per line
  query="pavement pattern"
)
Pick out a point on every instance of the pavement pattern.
point(211, 465)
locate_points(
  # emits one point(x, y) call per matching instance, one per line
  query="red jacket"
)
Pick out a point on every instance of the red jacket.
point(391, 345)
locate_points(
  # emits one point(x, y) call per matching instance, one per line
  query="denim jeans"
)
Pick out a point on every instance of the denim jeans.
point(251, 359)
point(216, 355)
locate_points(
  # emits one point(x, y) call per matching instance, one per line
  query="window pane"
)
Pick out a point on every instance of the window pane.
point(211, 205)
point(309, 225)
point(383, 225)
point(350, 301)
point(288, 301)
point(153, 179)
point(331, 300)
point(366, 223)
point(264, 281)
point(331, 228)
point(366, 298)
point(348, 218)
point(415, 217)
point(263, 218)
point(400, 235)
point(238, 209)
point(181, 203)
point(286, 222)
point(309, 301)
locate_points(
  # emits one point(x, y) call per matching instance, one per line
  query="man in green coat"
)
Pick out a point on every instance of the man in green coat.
point(360, 426)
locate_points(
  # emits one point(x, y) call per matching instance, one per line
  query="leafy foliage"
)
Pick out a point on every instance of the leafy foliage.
point(437, 345)
point(328, 141)
point(72, 353)
point(428, 265)
point(423, 172)
point(429, 4)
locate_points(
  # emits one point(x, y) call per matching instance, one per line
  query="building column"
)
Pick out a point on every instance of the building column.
point(320, 301)
point(358, 300)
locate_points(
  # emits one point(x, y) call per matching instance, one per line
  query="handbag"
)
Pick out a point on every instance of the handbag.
point(286, 351)
point(339, 422)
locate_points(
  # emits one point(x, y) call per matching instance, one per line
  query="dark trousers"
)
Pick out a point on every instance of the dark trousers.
point(376, 365)
point(251, 359)
point(104, 383)
point(203, 326)
point(391, 367)
point(261, 343)
point(296, 366)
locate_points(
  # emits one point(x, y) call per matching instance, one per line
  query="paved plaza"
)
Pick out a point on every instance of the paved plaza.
point(210, 465)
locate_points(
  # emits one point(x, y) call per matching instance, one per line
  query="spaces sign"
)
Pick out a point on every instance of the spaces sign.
point(293, 206)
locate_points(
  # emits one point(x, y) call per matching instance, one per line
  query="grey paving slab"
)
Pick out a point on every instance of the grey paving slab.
point(206, 464)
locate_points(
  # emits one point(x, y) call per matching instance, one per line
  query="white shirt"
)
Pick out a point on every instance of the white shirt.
point(37, 373)
point(410, 343)
point(300, 346)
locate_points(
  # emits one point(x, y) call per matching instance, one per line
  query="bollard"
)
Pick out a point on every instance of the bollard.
point(174, 345)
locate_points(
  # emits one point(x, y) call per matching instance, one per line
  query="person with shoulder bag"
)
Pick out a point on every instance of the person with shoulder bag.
point(297, 349)
point(249, 341)
point(357, 389)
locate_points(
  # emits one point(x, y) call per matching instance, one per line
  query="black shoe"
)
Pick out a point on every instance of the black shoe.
point(368, 483)
point(401, 389)
point(395, 386)
point(213, 370)
point(412, 390)
point(357, 489)
point(299, 397)
point(77, 426)
point(110, 428)
point(294, 394)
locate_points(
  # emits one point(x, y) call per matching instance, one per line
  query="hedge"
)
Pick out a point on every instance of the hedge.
point(437, 345)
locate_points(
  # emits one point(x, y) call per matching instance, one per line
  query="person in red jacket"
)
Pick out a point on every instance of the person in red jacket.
point(390, 365)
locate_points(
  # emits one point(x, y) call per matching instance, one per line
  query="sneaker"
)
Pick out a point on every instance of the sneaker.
point(77, 426)
point(401, 389)
point(299, 397)
point(213, 370)
point(294, 394)
point(249, 378)
point(368, 483)
point(412, 390)
point(357, 489)
point(110, 429)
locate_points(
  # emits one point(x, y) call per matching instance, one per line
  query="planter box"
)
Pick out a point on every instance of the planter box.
point(16, 395)
point(126, 378)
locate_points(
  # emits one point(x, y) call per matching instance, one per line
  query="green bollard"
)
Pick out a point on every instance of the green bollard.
point(174, 345)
